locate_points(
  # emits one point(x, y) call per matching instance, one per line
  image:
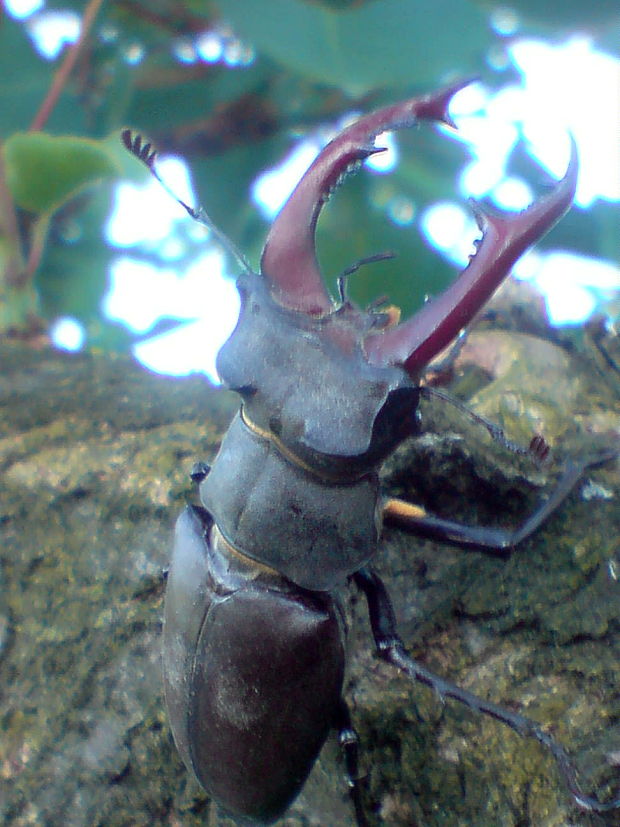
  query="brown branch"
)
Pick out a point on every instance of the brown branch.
point(179, 22)
point(13, 271)
point(62, 75)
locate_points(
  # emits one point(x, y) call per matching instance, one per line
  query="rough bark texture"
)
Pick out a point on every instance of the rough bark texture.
point(95, 455)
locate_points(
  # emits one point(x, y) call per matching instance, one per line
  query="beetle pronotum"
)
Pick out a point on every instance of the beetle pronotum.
point(292, 509)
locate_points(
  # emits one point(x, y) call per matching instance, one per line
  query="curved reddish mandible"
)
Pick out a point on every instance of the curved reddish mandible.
point(505, 237)
point(289, 261)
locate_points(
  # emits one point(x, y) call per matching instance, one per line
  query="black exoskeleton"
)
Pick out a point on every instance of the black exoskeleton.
point(291, 509)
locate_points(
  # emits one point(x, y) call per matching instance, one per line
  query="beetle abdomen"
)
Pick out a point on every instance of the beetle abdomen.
point(265, 676)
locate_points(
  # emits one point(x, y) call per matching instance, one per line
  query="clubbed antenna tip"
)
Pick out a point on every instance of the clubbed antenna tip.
point(143, 153)
point(147, 154)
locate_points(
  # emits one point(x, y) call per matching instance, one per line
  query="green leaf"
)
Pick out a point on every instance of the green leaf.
point(43, 172)
point(564, 13)
point(74, 273)
point(341, 4)
point(158, 108)
point(393, 42)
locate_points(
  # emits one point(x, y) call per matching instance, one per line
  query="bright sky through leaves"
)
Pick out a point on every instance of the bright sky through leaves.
point(562, 90)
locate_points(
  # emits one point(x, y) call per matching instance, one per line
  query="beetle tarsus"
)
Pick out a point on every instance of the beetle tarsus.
point(349, 745)
point(539, 448)
point(390, 648)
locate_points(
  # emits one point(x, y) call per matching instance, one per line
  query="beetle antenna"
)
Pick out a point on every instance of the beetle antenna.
point(341, 281)
point(538, 448)
point(147, 154)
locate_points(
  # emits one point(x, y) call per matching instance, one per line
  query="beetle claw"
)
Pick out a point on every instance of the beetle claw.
point(289, 261)
point(505, 237)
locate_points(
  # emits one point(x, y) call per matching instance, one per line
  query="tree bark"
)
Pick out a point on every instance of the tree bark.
point(95, 457)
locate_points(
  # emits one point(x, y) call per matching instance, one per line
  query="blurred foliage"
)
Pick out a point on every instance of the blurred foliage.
point(563, 14)
point(44, 172)
point(334, 48)
point(289, 68)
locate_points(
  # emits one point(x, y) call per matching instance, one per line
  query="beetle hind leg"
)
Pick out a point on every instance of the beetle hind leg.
point(391, 649)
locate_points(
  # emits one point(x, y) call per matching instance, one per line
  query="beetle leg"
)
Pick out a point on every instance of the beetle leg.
point(349, 745)
point(391, 649)
point(491, 540)
point(439, 371)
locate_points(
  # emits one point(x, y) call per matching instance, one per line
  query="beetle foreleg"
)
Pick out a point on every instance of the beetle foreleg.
point(441, 369)
point(391, 649)
point(488, 539)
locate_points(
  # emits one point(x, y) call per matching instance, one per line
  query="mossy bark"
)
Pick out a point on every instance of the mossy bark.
point(95, 458)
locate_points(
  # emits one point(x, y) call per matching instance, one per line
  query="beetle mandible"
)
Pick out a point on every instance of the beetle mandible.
point(291, 508)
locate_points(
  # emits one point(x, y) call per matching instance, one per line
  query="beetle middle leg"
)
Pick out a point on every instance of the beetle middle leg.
point(390, 648)
point(349, 745)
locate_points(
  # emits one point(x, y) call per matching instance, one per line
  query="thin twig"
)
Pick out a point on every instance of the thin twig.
point(62, 75)
point(14, 268)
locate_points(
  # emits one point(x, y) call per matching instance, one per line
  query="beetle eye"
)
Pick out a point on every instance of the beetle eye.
point(246, 391)
point(275, 425)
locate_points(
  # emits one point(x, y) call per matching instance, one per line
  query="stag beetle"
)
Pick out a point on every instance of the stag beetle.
point(254, 642)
